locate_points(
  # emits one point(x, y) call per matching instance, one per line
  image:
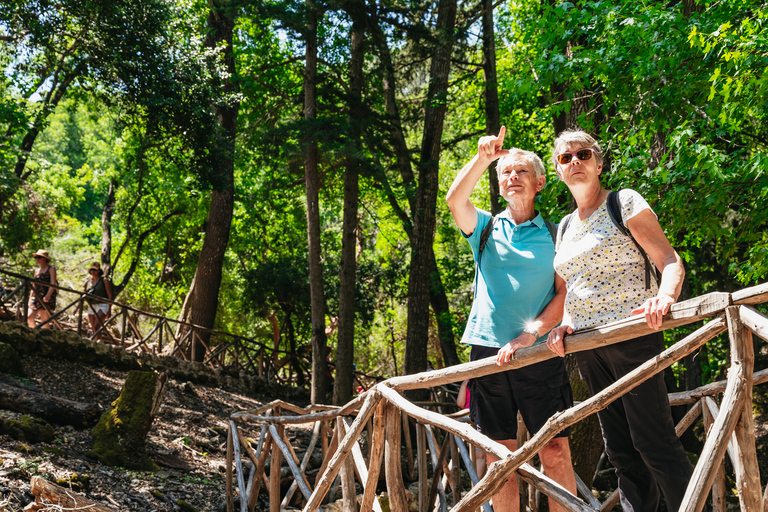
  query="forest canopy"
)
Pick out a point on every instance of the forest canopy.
point(278, 169)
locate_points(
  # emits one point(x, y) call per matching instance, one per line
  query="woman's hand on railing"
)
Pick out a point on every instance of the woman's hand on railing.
point(556, 338)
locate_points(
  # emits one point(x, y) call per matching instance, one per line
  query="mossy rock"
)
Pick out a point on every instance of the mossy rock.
point(157, 494)
point(10, 362)
point(183, 505)
point(120, 435)
point(29, 429)
point(77, 483)
point(24, 448)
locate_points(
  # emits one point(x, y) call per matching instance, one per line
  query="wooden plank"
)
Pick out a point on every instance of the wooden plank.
point(327, 477)
point(392, 464)
point(754, 295)
point(552, 489)
point(586, 492)
point(238, 465)
point(408, 447)
point(688, 419)
point(230, 490)
point(421, 463)
point(304, 462)
point(274, 473)
point(347, 473)
point(755, 321)
point(470, 465)
point(746, 467)
point(328, 413)
point(360, 468)
point(259, 475)
point(682, 313)
point(455, 471)
point(714, 448)
point(298, 475)
point(713, 388)
point(376, 441)
point(718, 486)
point(438, 466)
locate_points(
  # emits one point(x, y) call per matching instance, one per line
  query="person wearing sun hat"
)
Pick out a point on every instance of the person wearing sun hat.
point(97, 286)
point(42, 301)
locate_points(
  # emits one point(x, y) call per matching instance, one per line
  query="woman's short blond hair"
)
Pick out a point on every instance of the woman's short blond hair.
point(530, 158)
point(576, 138)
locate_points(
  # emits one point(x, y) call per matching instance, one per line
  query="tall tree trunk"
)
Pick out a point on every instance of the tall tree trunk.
point(345, 348)
point(221, 22)
point(437, 295)
point(312, 185)
point(426, 196)
point(492, 115)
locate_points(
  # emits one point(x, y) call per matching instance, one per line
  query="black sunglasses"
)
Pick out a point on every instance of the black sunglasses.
point(582, 154)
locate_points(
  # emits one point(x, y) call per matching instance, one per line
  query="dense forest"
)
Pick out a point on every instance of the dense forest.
point(278, 169)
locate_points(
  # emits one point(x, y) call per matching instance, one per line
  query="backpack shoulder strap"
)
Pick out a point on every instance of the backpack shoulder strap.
point(552, 228)
point(486, 234)
point(563, 227)
point(613, 206)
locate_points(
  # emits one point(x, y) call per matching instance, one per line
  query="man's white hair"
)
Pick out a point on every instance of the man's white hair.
point(515, 154)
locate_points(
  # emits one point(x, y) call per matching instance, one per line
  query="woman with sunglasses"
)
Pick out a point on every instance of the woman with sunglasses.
point(42, 301)
point(97, 286)
point(606, 281)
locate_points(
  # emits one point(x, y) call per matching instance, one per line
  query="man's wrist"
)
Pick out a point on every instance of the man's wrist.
point(533, 331)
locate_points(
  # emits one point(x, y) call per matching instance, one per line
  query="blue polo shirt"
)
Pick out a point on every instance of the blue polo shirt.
point(514, 282)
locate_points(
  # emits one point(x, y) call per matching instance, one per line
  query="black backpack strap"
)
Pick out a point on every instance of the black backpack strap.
point(485, 235)
point(613, 205)
point(552, 228)
point(563, 227)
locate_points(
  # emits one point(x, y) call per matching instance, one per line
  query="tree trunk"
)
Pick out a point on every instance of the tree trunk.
point(426, 196)
point(345, 348)
point(492, 115)
point(438, 298)
point(221, 22)
point(50, 408)
point(312, 186)
point(119, 439)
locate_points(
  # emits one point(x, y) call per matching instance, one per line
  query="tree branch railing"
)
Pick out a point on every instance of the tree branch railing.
point(384, 412)
point(124, 328)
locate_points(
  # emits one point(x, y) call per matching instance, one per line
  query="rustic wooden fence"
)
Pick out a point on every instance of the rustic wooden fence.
point(137, 330)
point(383, 411)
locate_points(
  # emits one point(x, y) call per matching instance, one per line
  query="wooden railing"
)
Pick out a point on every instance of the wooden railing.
point(137, 330)
point(384, 412)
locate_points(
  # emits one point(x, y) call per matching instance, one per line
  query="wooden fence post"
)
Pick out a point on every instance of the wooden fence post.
point(745, 467)
point(718, 486)
point(394, 471)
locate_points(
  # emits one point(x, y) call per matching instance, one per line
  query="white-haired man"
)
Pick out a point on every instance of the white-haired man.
point(518, 300)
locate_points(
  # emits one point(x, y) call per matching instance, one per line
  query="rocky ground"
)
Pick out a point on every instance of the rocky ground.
point(187, 439)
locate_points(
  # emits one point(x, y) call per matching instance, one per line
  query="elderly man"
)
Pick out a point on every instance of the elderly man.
point(518, 300)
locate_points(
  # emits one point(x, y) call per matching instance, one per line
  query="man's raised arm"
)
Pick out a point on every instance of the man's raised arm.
point(489, 148)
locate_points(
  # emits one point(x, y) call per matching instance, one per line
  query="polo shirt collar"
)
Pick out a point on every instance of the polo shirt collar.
point(537, 221)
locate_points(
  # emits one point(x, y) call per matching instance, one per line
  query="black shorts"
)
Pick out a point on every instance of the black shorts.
point(538, 391)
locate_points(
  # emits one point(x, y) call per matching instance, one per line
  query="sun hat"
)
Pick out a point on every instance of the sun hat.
point(43, 254)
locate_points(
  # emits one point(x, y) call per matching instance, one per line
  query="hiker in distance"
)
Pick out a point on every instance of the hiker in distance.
point(518, 299)
point(602, 253)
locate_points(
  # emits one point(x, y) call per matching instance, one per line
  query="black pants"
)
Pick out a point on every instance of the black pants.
point(638, 429)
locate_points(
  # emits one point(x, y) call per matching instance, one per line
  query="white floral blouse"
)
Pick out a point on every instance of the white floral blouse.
point(603, 270)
